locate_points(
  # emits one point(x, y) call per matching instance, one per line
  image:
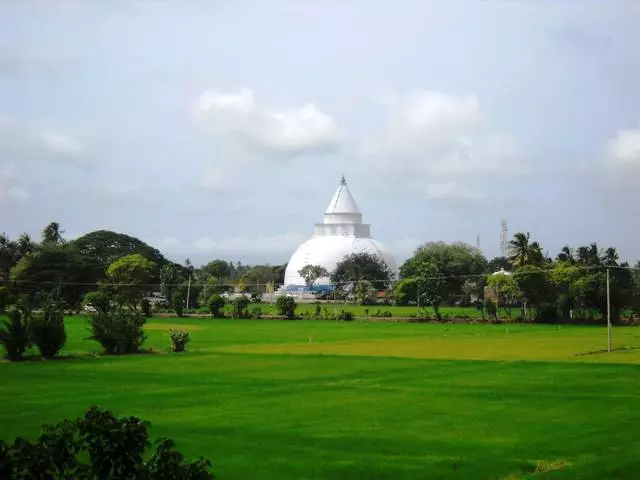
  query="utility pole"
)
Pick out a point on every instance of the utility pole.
point(608, 314)
point(188, 292)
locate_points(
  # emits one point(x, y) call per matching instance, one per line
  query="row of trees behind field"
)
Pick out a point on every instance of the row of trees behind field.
point(531, 285)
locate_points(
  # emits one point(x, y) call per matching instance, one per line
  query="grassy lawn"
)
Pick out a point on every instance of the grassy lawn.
point(327, 400)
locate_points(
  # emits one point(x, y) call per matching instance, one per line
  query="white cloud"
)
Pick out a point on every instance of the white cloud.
point(434, 141)
point(278, 244)
point(239, 120)
point(34, 141)
point(61, 144)
point(624, 149)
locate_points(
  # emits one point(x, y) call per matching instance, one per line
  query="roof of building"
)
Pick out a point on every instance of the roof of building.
point(342, 201)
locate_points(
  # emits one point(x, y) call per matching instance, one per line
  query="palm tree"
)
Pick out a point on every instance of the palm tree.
point(589, 255)
point(52, 235)
point(566, 255)
point(610, 257)
point(24, 245)
point(519, 249)
point(536, 257)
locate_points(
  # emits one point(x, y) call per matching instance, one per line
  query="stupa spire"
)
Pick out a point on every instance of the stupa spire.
point(342, 201)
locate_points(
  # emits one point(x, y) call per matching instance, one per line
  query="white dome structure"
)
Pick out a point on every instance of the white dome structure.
point(342, 233)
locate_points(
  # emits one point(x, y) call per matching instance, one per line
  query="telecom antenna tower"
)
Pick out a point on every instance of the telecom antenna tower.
point(503, 238)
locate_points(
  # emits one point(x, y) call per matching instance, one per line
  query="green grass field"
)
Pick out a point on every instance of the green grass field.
point(360, 400)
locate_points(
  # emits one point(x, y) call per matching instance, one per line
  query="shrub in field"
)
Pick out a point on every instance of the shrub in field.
point(47, 331)
point(14, 335)
point(145, 306)
point(179, 339)
point(240, 306)
point(345, 316)
point(177, 303)
point(118, 332)
point(216, 304)
point(256, 313)
point(318, 310)
point(97, 446)
point(286, 306)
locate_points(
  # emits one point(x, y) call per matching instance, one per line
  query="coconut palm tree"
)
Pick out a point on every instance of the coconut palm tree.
point(566, 255)
point(610, 258)
point(24, 245)
point(519, 249)
point(52, 235)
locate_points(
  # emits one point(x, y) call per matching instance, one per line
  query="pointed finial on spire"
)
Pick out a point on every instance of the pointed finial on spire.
point(343, 181)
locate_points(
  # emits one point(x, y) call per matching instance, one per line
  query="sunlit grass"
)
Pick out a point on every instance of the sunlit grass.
point(357, 400)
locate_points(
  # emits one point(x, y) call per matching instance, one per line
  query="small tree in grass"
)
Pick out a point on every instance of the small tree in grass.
point(286, 306)
point(240, 306)
point(14, 335)
point(179, 339)
point(216, 304)
point(47, 331)
point(311, 273)
point(118, 332)
point(98, 446)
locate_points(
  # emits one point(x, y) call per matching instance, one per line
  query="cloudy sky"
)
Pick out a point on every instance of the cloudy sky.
point(221, 128)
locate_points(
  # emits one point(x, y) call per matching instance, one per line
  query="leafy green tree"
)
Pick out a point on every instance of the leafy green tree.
point(362, 266)
point(563, 277)
point(106, 247)
point(537, 291)
point(453, 261)
point(566, 255)
point(311, 273)
point(218, 269)
point(406, 291)
point(171, 274)
point(130, 277)
point(286, 306)
point(216, 304)
point(432, 287)
point(504, 291)
point(59, 271)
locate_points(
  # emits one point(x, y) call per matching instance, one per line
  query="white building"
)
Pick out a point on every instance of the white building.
point(342, 233)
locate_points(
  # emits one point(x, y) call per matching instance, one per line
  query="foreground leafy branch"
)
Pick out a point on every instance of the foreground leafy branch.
point(97, 446)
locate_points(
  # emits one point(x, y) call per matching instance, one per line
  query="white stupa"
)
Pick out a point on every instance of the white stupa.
point(342, 233)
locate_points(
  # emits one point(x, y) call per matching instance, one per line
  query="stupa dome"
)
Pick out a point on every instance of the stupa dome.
point(342, 233)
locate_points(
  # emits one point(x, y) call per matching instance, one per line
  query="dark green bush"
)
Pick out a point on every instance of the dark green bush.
point(286, 306)
point(47, 331)
point(256, 313)
point(345, 316)
point(216, 304)
point(179, 339)
point(14, 336)
point(240, 305)
point(98, 446)
point(145, 306)
point(118, 332)
point(318, 310)
point(177, 303)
